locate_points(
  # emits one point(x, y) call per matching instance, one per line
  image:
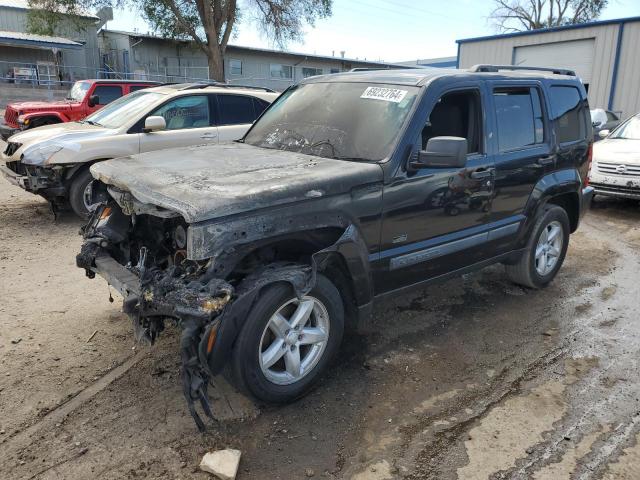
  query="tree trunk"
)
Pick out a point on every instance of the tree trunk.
point(216, 64)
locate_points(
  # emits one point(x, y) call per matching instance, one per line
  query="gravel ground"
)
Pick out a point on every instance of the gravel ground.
point(471, 379)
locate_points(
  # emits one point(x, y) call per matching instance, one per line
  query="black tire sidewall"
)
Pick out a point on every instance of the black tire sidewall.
point(551, 214)
point(246, 368)
point(76, 192)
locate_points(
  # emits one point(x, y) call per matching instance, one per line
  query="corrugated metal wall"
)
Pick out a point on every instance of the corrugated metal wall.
point(501, 51)
point(627, 92)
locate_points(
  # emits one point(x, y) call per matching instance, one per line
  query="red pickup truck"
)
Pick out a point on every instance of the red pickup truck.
point(85, 97)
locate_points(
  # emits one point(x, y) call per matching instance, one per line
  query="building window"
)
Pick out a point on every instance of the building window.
point(235, 66)
point(311, 72)
point(519, 116)
point(281, 71)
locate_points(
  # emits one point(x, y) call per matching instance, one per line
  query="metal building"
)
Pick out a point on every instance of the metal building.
point(147, 56)
point(604, 54)
point(42, 59)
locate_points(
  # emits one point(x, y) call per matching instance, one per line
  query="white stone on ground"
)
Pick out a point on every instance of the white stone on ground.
point(223, 463)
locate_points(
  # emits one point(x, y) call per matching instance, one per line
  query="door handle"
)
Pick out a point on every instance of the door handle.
point(480, 174)
point(209, 136)
point(546, 160)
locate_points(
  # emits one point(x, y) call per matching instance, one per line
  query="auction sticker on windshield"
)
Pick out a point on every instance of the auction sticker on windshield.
point(382, 93)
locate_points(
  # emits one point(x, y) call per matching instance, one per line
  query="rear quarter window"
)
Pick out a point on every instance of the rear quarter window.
point(569, 114)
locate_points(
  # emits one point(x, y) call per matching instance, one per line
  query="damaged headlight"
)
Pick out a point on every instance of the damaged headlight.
point(180, 236)
point(39, 155)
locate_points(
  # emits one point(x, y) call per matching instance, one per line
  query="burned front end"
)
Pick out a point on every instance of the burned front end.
point(142, 251)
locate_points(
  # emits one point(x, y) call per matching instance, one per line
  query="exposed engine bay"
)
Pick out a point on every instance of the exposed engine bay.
point(144, 256)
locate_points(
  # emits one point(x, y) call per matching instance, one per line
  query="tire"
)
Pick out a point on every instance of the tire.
point(257, 336)
point(76, 193)
point(527, 271)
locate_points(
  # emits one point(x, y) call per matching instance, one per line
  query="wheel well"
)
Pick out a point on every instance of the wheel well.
point(47, 119)
point(298, 247)
point(571, 204)
point(78, 169)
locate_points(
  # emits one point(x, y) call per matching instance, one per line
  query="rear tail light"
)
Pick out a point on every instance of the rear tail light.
point(589, 161)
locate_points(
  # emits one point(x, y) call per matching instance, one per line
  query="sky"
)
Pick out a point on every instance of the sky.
point(387, 30)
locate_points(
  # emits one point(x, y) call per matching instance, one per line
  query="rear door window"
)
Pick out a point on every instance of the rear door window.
point(235, 109)
point(568, 109)
point(519, 117)
point(107, 93)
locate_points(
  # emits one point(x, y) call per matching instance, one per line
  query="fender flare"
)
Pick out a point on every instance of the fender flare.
point(302, 278)
point(36, 115)
point(551, 185)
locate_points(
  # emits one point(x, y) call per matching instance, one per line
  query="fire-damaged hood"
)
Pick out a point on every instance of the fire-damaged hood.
point(205, 182)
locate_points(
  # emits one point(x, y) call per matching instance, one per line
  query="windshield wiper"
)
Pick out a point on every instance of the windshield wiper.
point(91, 122)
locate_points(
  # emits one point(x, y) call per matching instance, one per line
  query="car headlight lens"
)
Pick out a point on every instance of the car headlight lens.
point(22, 120)
point(39, 155)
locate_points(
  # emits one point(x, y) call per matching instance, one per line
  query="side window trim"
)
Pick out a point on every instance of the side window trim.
point(500, 84)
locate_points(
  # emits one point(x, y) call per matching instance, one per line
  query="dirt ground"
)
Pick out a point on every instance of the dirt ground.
point(472, 379)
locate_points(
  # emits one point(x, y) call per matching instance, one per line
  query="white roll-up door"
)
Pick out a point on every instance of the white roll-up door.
point(575, 55)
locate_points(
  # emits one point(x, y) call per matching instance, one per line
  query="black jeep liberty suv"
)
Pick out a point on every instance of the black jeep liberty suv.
point(348, 188)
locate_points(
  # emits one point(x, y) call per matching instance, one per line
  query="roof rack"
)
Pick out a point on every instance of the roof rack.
point(197, 85)
point(497, 68)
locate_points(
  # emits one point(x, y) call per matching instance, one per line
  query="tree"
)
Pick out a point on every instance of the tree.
point(522, 15)
point(209, 23)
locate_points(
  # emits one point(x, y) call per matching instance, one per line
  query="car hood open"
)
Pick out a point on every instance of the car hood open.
point(205, 182)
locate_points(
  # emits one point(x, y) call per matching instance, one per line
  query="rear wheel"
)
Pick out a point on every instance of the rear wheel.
point(79, 193)
point(286, 343)
point(545, 251)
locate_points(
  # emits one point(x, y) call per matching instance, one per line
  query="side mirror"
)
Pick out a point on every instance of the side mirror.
point(154, 123)
point(93, 100)
point(604, 133)
point(441, 152)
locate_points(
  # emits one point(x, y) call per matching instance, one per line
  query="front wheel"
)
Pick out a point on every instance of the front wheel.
point(79, 193)
point(286, 343)
point(545, 251)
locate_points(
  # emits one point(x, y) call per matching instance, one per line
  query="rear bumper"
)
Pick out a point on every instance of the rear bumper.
point(587, 196)
point(617, 191)
point(7, 130)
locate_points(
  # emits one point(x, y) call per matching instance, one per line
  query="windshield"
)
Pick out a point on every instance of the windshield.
point(630, 130)
point(78, 91)
point(350, 121)
point(125, 109)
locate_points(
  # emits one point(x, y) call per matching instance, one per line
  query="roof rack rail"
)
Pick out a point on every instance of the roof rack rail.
point(497, 68)
point(197, 85)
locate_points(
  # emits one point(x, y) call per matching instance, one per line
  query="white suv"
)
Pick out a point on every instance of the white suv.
point(53, 161)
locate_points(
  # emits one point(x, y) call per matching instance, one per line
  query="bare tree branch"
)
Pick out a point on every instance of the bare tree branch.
point(522, 15)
